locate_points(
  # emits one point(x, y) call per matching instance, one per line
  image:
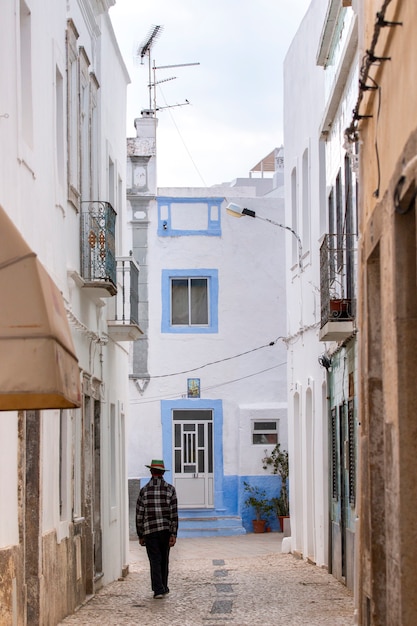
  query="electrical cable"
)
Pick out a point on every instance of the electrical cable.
point(352, 132)
point(229, 358)
point(378, 164)
point(236, 380)
point(182, 139)
point(227, 382)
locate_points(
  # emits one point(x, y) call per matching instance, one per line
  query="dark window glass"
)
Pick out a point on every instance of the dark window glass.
point(189, 302)
point(177, 435)
point(210, 446)
point(201, 460)
point(177, 461)
point(265, 438)
point(265, 426)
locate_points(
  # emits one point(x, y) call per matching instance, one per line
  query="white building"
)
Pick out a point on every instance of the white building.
point(208, 392)
point(338, 55)
point(320, 205)
point(307, 389)
point(63, 496)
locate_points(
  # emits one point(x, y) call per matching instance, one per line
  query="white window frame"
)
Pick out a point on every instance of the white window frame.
point(265, 431)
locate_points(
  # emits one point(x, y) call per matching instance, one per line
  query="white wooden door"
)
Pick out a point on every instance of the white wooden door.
point(193, 457)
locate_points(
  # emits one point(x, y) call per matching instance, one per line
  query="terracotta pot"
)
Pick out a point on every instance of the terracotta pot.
point(258, 525)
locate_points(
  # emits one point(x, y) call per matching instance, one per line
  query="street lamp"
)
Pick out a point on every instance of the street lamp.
point(235, 210)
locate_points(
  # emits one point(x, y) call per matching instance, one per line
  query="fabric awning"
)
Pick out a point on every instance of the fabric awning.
point(38, 366)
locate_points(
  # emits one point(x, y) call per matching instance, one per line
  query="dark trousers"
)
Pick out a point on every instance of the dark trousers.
point(157, 547)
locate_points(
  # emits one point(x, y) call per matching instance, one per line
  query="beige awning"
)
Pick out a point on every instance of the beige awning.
point(267, 164)
point(38, 366)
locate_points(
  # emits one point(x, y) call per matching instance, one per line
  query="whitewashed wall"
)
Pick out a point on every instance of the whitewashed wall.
point(249, 257)
point(33, 191)
point(307, 408)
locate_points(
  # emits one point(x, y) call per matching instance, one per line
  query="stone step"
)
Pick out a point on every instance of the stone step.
point(210, 525)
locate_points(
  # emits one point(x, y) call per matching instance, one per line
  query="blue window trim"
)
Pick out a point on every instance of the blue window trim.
point(164, 224)
point(213, 287)
point(167, 407)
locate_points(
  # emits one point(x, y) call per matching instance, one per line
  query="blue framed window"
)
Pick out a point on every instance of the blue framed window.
point(190, 301)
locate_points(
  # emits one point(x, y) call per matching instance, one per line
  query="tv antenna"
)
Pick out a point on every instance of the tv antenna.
point(145, 50)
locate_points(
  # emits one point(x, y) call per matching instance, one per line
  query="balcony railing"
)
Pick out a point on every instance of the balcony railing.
point(124, 322)
point(337, 286)
point(98, 258)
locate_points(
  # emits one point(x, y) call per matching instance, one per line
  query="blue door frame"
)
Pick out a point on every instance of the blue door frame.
point(216, 406)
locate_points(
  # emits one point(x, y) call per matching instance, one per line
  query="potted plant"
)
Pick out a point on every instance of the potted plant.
point(261, 505)
point(277, 460)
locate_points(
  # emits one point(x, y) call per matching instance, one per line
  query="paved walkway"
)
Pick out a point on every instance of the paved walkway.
point(223, 581)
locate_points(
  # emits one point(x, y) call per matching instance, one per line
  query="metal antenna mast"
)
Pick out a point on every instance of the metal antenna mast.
point(155, 82)
point(145, 50)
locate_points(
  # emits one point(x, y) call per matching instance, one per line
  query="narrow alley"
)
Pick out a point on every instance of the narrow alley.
point(237, 581)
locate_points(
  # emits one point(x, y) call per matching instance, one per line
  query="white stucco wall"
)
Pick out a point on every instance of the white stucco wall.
point(33, 191)
point(250, 259)
point(9, 529)
point(307, 410)
point(316, 123)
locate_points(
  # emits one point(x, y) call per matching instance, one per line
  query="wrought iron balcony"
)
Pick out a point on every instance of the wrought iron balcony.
point(98, 258)
point(123, 324)
point(337, 287)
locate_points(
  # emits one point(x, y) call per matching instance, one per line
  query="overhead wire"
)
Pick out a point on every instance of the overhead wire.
point(181, 137)
point(229, 358)
point(170, 396)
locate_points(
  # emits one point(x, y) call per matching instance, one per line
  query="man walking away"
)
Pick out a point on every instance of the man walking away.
point(157, 525)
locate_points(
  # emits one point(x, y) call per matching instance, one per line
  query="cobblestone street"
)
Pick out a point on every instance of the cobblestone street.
point(240, 581)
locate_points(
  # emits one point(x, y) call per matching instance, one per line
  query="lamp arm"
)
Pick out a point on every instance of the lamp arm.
point(237, 211)
point(296, 235)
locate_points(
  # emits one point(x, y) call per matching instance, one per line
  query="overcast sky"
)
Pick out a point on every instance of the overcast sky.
point(235, 114)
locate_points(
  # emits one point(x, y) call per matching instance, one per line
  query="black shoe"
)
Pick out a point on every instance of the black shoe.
point(166, 591)
point(158, 596)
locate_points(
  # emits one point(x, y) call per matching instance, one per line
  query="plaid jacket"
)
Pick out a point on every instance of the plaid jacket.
point(157, 508)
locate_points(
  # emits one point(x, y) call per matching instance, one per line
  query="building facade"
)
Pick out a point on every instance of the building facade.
point(338, 55)
point(321, 205)
point(384, 124)
point(210, 396)
point(304, 212)
point(64, 365)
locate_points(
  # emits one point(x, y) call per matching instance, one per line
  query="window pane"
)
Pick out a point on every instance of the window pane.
point(210, 447)
point(265, 426)
point(197, 415)
point(189, 448)
point(200, 435)
point(177, 435)
point(179, 301)
point(265, 438)
point(177, 461)
point(190, 469)
point(199, 305)
point(201, 460)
